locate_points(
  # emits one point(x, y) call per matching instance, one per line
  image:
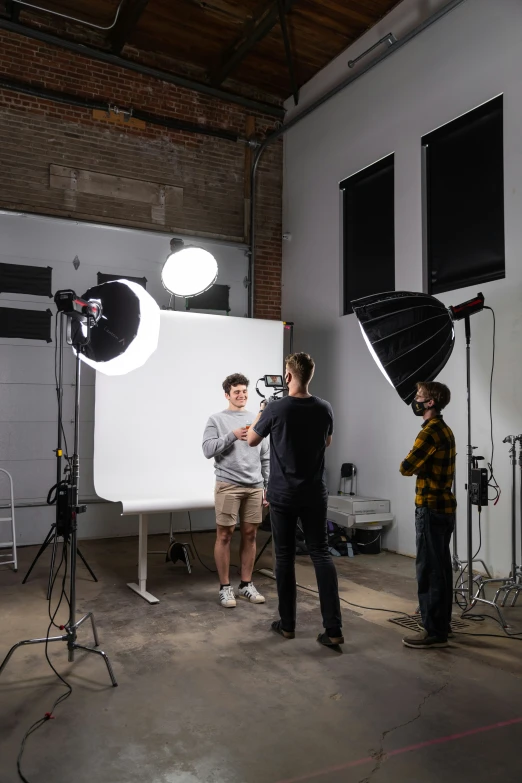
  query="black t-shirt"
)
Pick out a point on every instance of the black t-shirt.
point(298, 429)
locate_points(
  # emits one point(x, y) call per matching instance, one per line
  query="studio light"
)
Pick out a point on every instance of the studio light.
point(189, 270)
point(117, 325)
point(411, 337)
point(114, 327)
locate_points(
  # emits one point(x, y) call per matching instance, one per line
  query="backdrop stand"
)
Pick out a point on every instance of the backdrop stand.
point(140, 587)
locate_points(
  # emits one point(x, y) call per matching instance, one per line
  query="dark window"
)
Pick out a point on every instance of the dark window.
point(465, 200)
point(25, 324)
point(103, 278)
point(215, 298)
point(368, 232)
point(33, 280)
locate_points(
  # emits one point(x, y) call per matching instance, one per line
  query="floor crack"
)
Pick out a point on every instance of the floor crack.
point(379, 756)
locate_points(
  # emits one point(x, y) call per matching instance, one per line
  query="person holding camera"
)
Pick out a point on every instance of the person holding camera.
point(241, 479)
point(300, 428)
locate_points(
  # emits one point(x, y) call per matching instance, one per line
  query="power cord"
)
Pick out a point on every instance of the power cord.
point(48, 715)
point(359, 606)
point(211, 570)
point(515, 637)
point(492, 482)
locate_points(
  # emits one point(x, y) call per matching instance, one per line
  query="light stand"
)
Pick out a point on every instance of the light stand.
point(73, 509)
point(59, 527)
point(513, 583)
point(472, 599)
point(411, 337)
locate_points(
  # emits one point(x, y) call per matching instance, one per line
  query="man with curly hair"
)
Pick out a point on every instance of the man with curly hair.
point(241, 479)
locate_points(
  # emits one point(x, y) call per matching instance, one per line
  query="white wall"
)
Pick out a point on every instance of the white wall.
point(468, 57)
point(27, 387)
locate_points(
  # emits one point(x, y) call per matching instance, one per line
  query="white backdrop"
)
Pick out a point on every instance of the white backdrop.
point(149, 424)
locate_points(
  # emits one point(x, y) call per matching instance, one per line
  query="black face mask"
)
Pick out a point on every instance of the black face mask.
point(418, 408)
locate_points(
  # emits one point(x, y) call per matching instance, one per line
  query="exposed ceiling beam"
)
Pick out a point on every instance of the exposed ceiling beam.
point(155, 73)
point(252, 33)
point(12, 10)
point(288, 51)
point(131, 11)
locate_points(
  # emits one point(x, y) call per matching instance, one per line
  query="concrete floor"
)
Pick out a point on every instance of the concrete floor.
point(208, 695)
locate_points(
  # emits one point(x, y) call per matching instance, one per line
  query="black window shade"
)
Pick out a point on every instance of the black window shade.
point(25, 324)
point(465, 200)
point(21, 279)
point(216, 298)
point(368, 232)
point(103, 278)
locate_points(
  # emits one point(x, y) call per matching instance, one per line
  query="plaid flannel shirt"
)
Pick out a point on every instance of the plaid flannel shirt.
point(432, 460)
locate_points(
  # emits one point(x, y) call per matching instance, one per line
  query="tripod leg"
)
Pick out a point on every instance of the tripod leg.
point(187, 557)
point(87, 566)
point(53, 561)
point(40, 551)
point(89, 616)
point(28, 641)
point(517, 590)
point(105, 658)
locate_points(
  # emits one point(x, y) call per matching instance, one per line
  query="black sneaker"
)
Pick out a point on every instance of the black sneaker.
point(278, 628)
point(423, 641)
point(330, 641)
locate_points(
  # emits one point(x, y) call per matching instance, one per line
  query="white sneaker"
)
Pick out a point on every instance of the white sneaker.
point(227, 597)
point(250, 593)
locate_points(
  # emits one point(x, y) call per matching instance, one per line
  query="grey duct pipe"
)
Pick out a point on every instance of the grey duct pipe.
point(155, 73)
point(86, 103)
point(301, 116)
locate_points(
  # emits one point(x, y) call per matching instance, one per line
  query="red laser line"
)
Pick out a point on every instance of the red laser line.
point(400, 751)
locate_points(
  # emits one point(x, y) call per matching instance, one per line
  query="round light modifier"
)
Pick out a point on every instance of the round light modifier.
point(127, 332)
point(189, 271)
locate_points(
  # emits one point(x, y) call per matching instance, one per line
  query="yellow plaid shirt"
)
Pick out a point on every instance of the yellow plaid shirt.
point(432, 460)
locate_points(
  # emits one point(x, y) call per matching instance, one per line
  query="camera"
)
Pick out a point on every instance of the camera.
point(272, 382)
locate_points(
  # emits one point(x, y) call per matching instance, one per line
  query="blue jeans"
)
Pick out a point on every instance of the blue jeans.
point(313, 520)
point(434, 571)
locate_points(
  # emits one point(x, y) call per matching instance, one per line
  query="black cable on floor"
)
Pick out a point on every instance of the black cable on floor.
point(359, 606)
point(483, 617)
point(515, 637)
point(211, 570)
point(48, 715)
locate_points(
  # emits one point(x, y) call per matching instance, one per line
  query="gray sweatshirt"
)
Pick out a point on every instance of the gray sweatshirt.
point(235, 461)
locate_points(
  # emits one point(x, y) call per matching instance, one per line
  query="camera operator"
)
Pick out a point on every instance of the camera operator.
point(300, 428)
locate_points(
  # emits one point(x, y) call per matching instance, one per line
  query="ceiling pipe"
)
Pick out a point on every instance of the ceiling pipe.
point(145, 70)
point(420, 28)
point(71, 18)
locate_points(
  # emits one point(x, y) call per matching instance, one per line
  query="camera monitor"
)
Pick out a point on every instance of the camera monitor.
point(274, 381)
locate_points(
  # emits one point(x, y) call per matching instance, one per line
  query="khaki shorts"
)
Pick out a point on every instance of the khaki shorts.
point(232, 501)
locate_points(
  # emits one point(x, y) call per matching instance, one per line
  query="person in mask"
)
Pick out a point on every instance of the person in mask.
point(300, 428)
point(432, 460)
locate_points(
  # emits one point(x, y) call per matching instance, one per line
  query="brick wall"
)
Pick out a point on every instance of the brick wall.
point(35, 134)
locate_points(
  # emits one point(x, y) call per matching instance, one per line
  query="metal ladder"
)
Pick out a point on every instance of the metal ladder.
point(9, 544)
